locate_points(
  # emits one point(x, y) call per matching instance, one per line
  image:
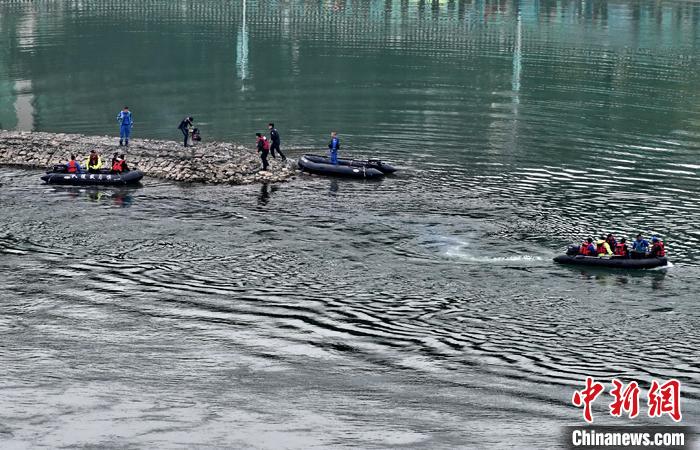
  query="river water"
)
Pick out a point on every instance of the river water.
point(420, 311)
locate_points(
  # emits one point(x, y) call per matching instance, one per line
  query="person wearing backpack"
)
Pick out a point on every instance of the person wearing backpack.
point(263, 148)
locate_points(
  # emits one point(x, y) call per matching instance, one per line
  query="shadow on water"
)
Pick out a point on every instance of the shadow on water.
point(608, 276)
point(265, 192)
point(120, 197)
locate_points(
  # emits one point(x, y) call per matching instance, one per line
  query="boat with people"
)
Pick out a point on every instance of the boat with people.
point(618, 262)
point(321, 165)
point(103, 177)
point(609, 252)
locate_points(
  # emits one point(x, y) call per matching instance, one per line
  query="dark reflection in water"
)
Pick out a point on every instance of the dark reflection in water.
point(423, 310)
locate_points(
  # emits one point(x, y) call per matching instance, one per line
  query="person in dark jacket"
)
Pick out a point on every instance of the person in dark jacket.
point(185, 126)
point(275, 141)
point(119, 165)
point(263, 148)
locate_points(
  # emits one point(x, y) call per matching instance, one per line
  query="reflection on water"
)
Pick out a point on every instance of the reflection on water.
point(119, 197)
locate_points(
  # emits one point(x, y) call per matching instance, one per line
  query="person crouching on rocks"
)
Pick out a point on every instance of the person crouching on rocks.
point(119, 165)
point(94, 162)
point(263, 148)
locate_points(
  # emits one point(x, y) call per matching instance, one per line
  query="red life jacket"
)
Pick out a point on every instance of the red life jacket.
point(620, 249)
point(72, 166)
point(266, 144)
point(600, 248)
point(658, 249)
point(584, 249)
point(117, 166)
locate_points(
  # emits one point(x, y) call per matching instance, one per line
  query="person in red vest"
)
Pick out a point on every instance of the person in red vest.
point(119, 165)
point(73, 166)
point(657, 248)
point(263, 146)
point(621, 249)
point(587, 248)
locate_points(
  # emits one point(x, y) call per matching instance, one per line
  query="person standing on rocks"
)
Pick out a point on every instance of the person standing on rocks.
point(125, 123)
point(185, 126)
point(275, 139)
point(263, 149)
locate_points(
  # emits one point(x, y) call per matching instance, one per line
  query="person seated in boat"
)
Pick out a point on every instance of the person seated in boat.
point(333, 147)
point(587, 248)
point(657, 248)
point(610, 239)
point(602, 247)
point(621, 249)
point(119, 165)
point(73, 166)
point(640, 247)
point(94, 162)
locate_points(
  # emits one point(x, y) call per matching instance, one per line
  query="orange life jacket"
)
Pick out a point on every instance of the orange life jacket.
point(600, 248)
point(658, 249)
point(620, 249)
point(72, 166)
point(117, 166)
point(584, 249)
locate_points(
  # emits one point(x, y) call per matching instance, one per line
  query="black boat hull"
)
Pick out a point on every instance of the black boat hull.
point(345, 168)
point(94, 179)
point(612, 262)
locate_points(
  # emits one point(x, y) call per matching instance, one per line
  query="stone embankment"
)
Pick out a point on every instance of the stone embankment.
point(210, 162)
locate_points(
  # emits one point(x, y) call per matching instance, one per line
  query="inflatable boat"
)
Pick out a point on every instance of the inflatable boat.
point(619, 262)
point(104, 177)
point(371, 168)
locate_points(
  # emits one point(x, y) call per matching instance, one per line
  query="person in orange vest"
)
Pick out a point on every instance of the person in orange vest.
point(657, 248)
point(587, 248)
point(119, 165)
point(73, 166)
point(602, 247)
point(621, 249)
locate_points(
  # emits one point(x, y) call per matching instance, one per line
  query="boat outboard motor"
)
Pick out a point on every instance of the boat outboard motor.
point(572, 250)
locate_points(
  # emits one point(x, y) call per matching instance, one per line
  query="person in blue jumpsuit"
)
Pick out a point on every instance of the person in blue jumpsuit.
point(126, 122)
point(334, 146)
point(640, 247)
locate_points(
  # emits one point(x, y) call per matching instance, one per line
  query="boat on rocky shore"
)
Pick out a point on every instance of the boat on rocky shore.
point(104, 177)
point(321, 165)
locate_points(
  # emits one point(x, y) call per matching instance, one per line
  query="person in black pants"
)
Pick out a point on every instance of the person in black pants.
point(275, 139)
point(263, 149)
point(185, 127)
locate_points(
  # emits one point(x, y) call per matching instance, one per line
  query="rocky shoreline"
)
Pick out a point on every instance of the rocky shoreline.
point(210, 162)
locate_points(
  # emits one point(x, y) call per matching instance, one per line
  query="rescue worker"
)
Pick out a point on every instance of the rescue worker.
point(73, 166)
point(94, 162)
point(334, 146)
point(621, 249)
point(602, 247)
point(263, 148)
point(640, 247)
point(610, 239)
point(275, 141)
point(119, 165)
point(126, 122)
point(657, 248)
point(185, 126)
point(587, 248)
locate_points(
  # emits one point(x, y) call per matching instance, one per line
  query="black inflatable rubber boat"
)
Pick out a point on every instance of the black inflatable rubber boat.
point(618, 262)
point(371, 168)
point(104, 177)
